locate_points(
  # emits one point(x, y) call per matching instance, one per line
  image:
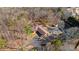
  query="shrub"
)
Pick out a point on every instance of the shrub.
point(57, 43)
point(34, 49)
point(28, 29)
point(2, 43)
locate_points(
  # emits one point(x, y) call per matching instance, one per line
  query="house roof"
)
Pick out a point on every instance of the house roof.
point(42, 30)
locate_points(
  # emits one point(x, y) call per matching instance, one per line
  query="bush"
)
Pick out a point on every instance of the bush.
point(28, 29)
point(2, 43)
point(34, 49)
point(57, 43)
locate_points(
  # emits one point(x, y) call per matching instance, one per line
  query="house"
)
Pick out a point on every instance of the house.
point(41, 31)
